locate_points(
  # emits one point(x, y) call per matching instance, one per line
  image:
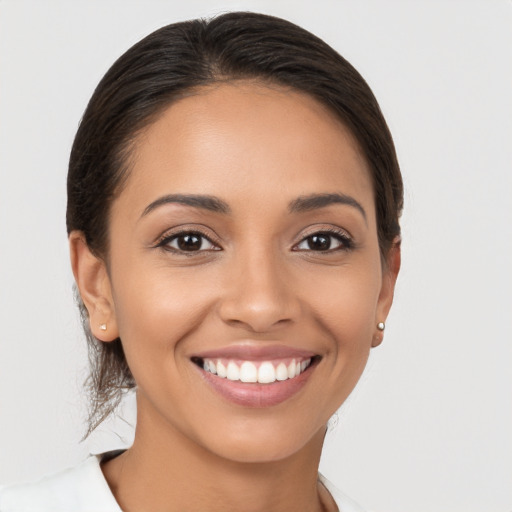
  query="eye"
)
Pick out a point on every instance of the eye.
point(325, 241)
point(188, 241)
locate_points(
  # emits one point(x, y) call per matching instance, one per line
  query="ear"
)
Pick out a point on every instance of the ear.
point(93, 283)
point(390, 270)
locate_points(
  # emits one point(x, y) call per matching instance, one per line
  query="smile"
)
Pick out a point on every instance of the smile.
point(264, 372)
point(256, 376)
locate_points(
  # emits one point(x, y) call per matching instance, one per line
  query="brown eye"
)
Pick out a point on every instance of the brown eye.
point(319, 242)
point(324, 242)
point(188, 242)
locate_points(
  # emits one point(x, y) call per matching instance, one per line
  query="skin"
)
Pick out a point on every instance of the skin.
point(257, 148)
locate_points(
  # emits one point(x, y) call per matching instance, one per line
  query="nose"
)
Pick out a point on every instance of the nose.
point(259, 296)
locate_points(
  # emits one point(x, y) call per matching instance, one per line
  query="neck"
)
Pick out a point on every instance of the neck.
point(164, 471)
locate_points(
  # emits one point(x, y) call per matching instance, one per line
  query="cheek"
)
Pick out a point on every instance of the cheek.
point(346, 316)
point(347, 305)
point(156, 309)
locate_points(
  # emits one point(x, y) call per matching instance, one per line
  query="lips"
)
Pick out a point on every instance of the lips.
point(256, 376)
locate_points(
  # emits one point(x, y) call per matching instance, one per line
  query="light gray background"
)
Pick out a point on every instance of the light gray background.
point(429, 428)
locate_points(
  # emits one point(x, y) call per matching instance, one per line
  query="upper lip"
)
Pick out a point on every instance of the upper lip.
point(255, 352)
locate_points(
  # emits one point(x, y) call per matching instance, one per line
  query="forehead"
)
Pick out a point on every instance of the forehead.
point(236, 137)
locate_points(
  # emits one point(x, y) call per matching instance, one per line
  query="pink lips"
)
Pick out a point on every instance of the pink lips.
point(255, 394)
point(255, 353)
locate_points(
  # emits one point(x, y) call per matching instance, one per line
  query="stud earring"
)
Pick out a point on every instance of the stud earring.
point(381, 326)
point(103, 327)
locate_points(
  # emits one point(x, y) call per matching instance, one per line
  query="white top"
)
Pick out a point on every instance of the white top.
point(84, 489)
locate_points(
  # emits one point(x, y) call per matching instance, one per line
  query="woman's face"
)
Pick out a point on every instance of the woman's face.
point(245, 242)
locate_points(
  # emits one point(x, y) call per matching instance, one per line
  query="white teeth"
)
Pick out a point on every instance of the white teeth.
point(266, 373)
point(221, 370)
point(248, 372)
point(232, 373)
point(211, 367)
point(281, 372)
point(291, 370)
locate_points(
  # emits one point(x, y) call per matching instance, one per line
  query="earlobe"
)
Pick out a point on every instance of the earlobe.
point(93, 283)
point(379, 335)
point(389, 276)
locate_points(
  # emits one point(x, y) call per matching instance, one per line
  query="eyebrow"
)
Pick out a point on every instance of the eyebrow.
point(316, 201)
point(215, 204)
point(205, 202)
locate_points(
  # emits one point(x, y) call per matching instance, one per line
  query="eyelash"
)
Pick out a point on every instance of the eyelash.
point(346, 242)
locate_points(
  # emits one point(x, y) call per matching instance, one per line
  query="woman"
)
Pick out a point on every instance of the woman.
point(233, 206)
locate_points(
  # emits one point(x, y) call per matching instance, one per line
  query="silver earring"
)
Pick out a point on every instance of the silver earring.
point(103, 327)
point(381, 326)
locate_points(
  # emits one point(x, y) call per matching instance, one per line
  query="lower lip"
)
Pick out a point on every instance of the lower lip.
point(254, 394)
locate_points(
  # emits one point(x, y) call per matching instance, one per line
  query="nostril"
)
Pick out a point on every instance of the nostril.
point(259, 301)
point(258, 321)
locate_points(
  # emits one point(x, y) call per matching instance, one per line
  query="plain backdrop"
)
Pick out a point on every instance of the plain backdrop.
point(429, 427)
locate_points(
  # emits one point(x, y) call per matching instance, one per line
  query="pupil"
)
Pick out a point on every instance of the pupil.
point(319, 242)
point(189, 242)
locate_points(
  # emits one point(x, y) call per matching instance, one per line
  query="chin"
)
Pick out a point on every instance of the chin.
point(259, 452)
point(256, 443)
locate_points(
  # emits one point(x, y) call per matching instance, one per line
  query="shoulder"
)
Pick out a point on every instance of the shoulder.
point(344, 503)
point(81, 489)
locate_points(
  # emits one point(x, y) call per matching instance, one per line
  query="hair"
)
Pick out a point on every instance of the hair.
point(169, 64)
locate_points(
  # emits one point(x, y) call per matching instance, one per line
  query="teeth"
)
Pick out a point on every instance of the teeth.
point(281, 372)
point(248, 371)
point(266, 373)
point(221, 370)
point(233, 372)
point(291, 370)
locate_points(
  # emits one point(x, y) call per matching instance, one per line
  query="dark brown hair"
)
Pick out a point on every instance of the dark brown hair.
point(168, 64)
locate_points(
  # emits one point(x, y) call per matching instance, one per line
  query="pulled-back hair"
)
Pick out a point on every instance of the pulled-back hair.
point(165, 66)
